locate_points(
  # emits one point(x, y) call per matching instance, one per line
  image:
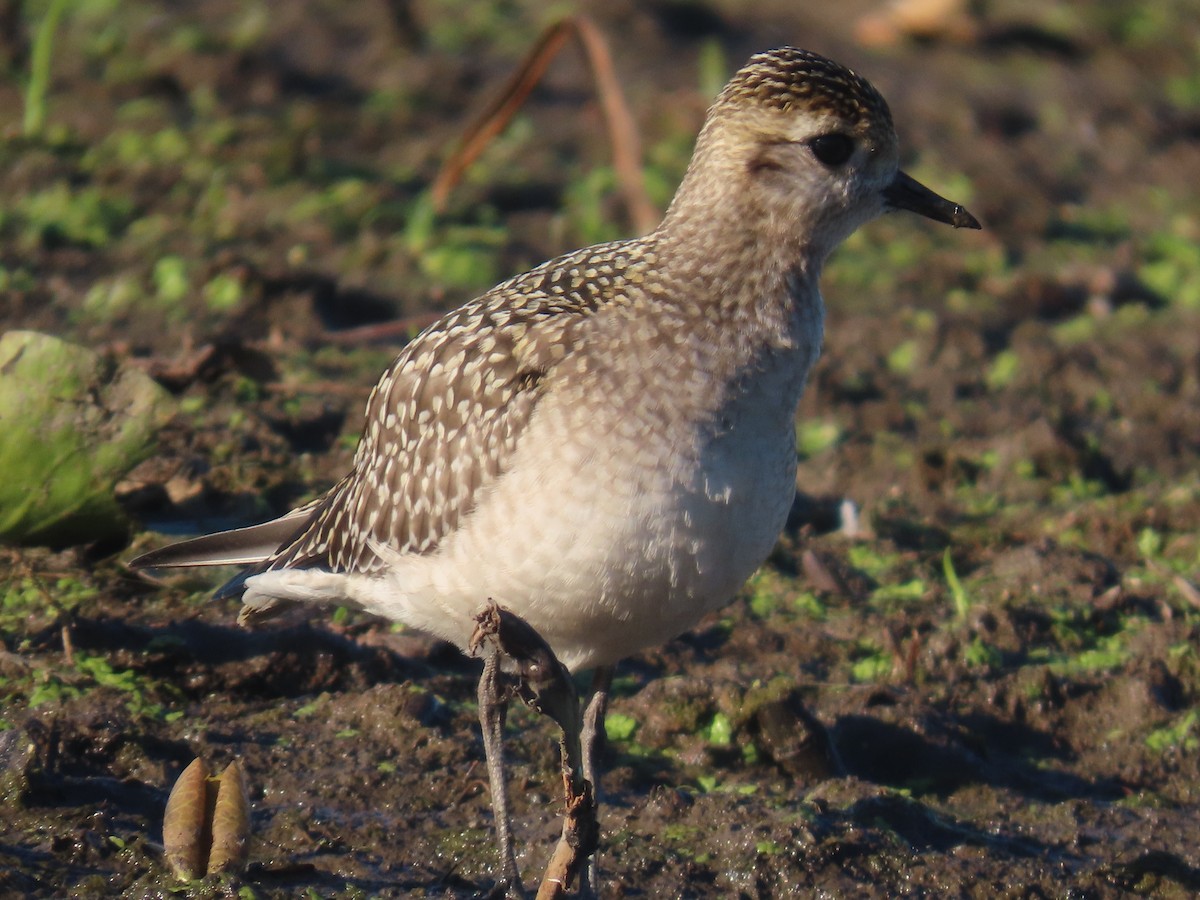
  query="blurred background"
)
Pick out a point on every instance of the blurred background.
point(988, 589)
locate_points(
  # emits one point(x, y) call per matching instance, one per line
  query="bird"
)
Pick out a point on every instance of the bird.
point(604, 445)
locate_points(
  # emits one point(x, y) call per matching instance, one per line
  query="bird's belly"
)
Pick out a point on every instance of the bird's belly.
point(606, 555)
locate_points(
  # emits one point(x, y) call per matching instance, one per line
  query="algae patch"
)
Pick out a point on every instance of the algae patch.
point(71, 424)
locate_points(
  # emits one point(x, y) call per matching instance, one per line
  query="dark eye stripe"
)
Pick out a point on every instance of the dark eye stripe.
point(832, 149)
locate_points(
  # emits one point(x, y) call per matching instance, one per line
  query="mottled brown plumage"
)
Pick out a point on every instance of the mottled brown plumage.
point(788, 78)
point(605, 445)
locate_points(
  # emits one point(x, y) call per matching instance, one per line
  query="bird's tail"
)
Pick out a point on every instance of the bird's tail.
point(238, 547)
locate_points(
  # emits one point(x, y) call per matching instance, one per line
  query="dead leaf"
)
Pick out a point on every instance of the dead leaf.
point(185, 838)
point(230, 823)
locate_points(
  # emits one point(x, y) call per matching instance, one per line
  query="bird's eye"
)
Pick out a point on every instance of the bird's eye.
point(832, 149)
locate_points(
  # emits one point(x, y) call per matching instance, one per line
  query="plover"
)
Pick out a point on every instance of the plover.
point(604, 445)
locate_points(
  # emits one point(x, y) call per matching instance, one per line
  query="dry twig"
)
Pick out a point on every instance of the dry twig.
point(622, 130)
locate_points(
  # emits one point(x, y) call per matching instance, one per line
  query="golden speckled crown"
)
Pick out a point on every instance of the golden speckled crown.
point(789, 78)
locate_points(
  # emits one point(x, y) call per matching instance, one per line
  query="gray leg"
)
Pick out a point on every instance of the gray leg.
point(592, 739)
point(592, 736)
point(492, 705)
point(544, 683)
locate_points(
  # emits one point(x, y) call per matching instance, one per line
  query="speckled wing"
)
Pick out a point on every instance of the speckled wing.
point(443, 421)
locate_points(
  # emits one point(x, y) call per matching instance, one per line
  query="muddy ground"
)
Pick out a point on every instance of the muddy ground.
point(987, 592)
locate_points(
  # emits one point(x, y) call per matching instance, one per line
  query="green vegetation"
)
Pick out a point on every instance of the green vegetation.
point(719, 732)
point(1171, 266)
point(1011, 412)
point(29, 603)
point(144, 697)
point(74, 425)
point(1079, 647)
point(873, 663)
point(619, 727)
point(38, 88)
point(87, 217)
point(980, 654)
point(903, 358)
point(962, 600)
point(455, 255)
point(710, 784)
point(1005, 367)
point(1183, 735)
point(815, 436)
point(171, 281)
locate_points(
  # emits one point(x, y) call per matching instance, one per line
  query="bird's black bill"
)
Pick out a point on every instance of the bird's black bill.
point(908, 193)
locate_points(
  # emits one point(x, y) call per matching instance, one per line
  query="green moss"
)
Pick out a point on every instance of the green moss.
point(903, 358)
point(171, 282)
point(1080, 648)
point(873, 663)
point(875, 562)
point(26, 602)
point(770, 593)
point(1183, 734)
point(1004, 370)
point(590, 212)
point(453, 255)
point(85, 672)
point(74, 424)
point(61, 213)
point(1172, 263)
point(980, 654)
point(719, 731)
point(619, 727)
point(807, 604)
point(814, 436)
point(223, 292)
point(15, 280)
point(678, 833)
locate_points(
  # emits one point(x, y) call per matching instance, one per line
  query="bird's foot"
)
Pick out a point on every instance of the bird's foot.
point(542, 681)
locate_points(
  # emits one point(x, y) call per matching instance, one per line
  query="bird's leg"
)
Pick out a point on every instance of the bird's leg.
point(546, 685)
point(492, 706)
point(592, 739)
point(592, 736)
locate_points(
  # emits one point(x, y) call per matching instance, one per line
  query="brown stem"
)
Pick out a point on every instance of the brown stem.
point(622, 129)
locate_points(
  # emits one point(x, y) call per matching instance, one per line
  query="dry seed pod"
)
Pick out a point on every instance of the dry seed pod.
point(230, 823)
point(185, 837)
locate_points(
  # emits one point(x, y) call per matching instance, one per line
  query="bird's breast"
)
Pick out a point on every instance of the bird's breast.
point(632, 506)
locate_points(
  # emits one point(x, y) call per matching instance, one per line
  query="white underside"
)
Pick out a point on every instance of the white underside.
point(603, 556)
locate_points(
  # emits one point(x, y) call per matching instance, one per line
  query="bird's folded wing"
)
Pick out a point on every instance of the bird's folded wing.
point(441, 426)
